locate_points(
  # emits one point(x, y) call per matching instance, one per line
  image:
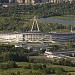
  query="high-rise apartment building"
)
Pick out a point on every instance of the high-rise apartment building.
point(7, 1)
point(12, 1)
point(58, 1)
point(34, 1)
point(29, 1)
point(19, 1)
point(4, 1)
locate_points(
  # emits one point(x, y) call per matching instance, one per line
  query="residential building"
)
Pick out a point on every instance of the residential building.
point(33, 1)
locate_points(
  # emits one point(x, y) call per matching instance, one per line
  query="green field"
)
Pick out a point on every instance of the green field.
point(22, 70)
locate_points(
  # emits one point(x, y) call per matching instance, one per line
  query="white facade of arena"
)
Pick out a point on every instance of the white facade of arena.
point(37, 37)
point(10, 37)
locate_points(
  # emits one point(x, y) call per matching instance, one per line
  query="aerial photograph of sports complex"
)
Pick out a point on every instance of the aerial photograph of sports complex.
point(37, 37)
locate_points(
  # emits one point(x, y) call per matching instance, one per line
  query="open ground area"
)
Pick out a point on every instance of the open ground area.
point(22, 70)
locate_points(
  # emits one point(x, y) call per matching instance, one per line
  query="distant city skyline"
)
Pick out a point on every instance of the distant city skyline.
point(33, 1)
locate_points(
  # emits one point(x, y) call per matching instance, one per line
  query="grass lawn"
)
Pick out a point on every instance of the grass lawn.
point(22, 70)
point(67, 68)
point(5, 72)
point(72, 73)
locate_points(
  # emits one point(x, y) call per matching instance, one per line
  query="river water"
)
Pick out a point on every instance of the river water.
point(55, 20)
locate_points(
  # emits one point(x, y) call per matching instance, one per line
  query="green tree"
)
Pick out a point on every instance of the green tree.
point(69, 44)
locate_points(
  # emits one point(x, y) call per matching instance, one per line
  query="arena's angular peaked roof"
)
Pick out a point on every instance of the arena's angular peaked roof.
point(35, 27)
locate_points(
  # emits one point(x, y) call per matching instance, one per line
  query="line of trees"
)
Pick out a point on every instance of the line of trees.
point(17, 18)
point(41, 69)
point(62, 61)
point(22, 25)
point(43, 10)
point(10, 53)
point(10, 64)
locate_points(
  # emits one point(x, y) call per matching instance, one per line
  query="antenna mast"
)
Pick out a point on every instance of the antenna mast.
point(35, 26)
point(71, 29)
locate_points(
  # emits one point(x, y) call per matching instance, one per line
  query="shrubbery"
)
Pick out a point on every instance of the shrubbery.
point(10, 64)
